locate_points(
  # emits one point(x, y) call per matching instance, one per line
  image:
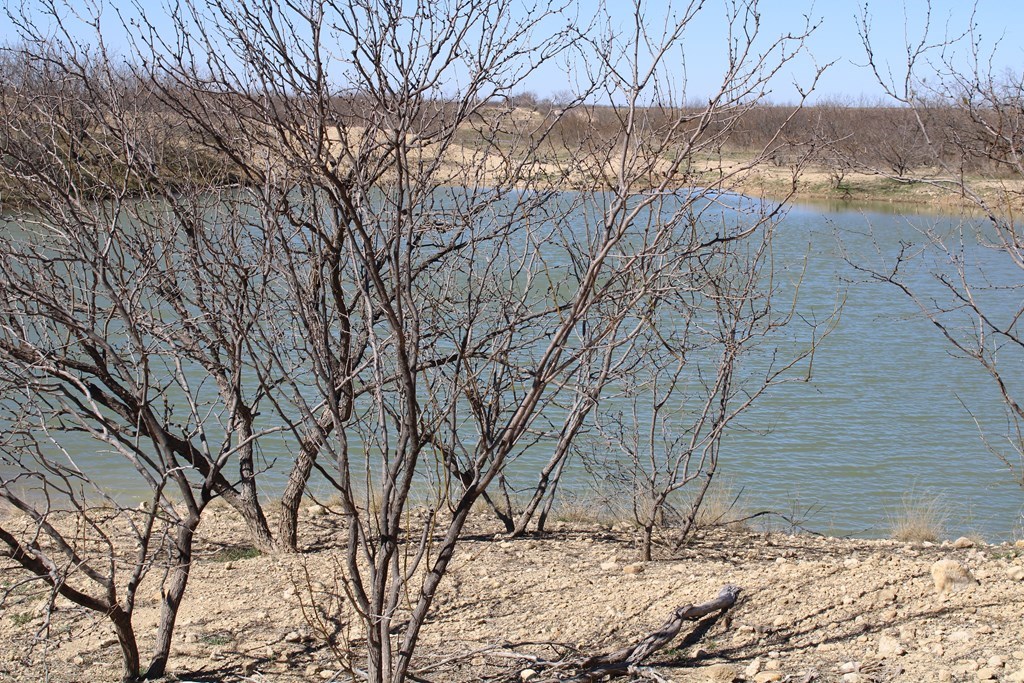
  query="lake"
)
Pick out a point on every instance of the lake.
point(887, 415)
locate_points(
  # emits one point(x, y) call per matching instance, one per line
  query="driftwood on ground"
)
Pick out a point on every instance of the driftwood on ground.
point(626, 660)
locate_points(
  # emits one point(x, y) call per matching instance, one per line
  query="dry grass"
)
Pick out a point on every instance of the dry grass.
point(722, 507)
point(919, 518)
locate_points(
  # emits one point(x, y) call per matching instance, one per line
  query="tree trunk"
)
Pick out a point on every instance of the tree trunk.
point(249, 508)
point(291, 499)
point(126, 639)
point(172, 597)
point(645, 544)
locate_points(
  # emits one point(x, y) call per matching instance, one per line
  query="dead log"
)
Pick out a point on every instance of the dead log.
point(624, 661)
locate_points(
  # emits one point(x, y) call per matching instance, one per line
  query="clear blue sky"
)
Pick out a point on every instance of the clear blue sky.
point(999, 24)
point(836, 39)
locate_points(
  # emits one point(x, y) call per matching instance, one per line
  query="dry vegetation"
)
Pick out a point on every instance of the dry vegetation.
point(205, 255)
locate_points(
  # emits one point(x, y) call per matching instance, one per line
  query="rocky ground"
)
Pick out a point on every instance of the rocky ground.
point(811, 608)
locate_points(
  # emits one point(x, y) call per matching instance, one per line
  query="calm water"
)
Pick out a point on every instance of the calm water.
point(884, 417)
point(883, 421)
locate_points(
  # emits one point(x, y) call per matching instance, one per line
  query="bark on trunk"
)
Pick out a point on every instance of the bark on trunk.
point(129, 647)
point(177, 582)
point(291, 499)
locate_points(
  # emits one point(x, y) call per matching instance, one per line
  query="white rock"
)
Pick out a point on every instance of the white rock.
point(1015, 573)
point(949, 573)
point(963, 542)
point(292, 637)
point(890, 647)
point(635, 568)
point(988, 674)
point(719, 673)
point(609, 566)
point(527, 674)
point(851, 562)
point(768, 677)
point(849, 667)
point(752, 668)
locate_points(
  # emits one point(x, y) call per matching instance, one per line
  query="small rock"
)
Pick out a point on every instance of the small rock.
point(768, 677)
point(945, 676)
point(852, 677)
point(985, 630)
point(108, 641)
point(77, 660)
point(996, 662)
point(1015, 573)
point(292, 637)
point(890, 647)
point(609, 566)
point(311, 670)
point(229, 565)
point(527, 674)
point(851, 562)
point(949, 573)
point(316, 511)
point(963, 542)
point(849, 667)
point(327, 674)
point(1016, 677)
point(720, 673)
point(635, 568)
point(1019, 543)
point(779, 621)
point(752, 668)
point(987, 674)
point(968, 665)
point(961, 636)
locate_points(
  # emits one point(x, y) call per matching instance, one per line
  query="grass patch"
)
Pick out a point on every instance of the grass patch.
point(217, 638)
point(233, 553)
point(919, 519)
point(721, 507)
point(22, 619)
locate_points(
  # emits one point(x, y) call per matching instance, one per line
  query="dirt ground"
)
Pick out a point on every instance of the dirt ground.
point(811, 608)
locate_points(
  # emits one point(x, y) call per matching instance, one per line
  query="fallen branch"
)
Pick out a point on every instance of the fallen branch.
point(627, 660)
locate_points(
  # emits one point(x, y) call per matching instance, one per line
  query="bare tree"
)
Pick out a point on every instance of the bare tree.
point(984, 132)
point(710, 351)
point(380, 263)
point(126, 297)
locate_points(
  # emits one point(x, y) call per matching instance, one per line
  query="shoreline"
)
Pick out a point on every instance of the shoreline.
point(834, 607)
